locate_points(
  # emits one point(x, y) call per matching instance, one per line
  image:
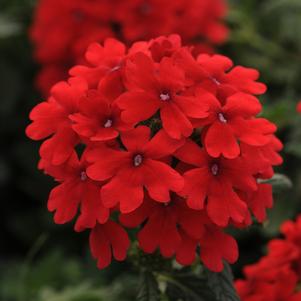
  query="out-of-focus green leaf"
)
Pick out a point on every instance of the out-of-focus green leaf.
point(148, 288)
point(8, 27)
point(221, 284)
point(82, 292)
point(279, 182)
point(189, 285)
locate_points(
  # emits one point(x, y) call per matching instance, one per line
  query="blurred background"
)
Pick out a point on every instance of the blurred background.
point(43, 261)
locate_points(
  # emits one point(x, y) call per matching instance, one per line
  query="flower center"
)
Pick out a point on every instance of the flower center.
point(215, 81)
point(215, 169)
point(222, 118)
point(115, 68)
point(137, 160)
point(145, 8)
point(165, 96)
point(83, 176)
point(78, 15)
point(108, 123)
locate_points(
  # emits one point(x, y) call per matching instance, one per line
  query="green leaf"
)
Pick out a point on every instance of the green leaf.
point(8, 27)
point(221, 284)
point(148, 288)
point(279, 182)
point(186, 285)
point(82, 292)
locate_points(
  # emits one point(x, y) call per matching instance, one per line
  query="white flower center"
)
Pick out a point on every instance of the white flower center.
point(138, 159)
point(83, 176)
point(115, 68)
point(165, 96)
point(215, 169)
point(221, 118)
point(215, 81)
point(108, 123)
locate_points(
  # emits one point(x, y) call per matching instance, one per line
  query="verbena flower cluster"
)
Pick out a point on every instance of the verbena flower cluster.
point(62, 30)
point(155, 139)
point(277, 276)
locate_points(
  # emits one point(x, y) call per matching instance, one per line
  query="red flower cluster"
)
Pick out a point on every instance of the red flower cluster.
point(62, 30)
point(277, 276)
point(169, 141)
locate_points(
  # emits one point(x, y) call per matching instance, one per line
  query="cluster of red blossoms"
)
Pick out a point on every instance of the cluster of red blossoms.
point(62, 30)
point(156, 139)
point(277, 276)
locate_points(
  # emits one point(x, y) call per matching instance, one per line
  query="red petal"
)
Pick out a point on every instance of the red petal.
point(196, 187)
point(162, 145)
point(100, 246)
point(137, 217)
point(175, 122)
point(92, 209)
point(149, 236)
point(260, 200)
point(243, 105)
point(121, 190)
point(223, 204)
point(60, 146)
point(136, 139)
point(220, 140)
point(192, 106)
point(192, 154)
point(64, 199)
point(216, 246)
point(186, 252)
point(119, 240)
point(170, 238)
point(137, 106)
point(107, 162)
point(160, 179)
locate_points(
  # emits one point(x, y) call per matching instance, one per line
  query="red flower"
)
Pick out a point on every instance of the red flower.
point(214, 73)
point(215, 246)
point(164, 46)
point(107, 240)
point(259, 200)
point(105, 64)
point(263, 157)
point(171, 143)
point(61, 32)
point(138, 166)
point(276, 276)
point(216, 180)
point(165, 224)
point(178, 230)
point(75, 190)
point(153, 89)
point(51, 118)
point(99, 119)
point(234, 122)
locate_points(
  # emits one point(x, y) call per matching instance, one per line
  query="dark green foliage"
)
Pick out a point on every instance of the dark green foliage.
point(221, 284)
point(148, 287)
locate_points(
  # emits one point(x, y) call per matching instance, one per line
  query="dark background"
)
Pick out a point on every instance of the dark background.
point(43, 261)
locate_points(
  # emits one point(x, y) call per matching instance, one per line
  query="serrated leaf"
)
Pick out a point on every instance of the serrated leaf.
point(279, 182)
point(148, 288)
point(221, 284)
